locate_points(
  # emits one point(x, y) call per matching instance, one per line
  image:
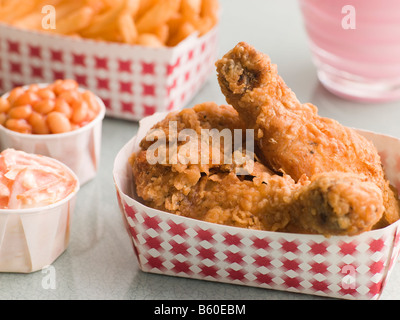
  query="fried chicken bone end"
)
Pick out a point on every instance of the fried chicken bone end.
point(329, 203)
point(292, 137)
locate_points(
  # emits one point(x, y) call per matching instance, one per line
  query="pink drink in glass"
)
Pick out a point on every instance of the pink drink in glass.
point(356, 46)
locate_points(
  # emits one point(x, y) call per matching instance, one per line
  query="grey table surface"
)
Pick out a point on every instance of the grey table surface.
point(100, 263)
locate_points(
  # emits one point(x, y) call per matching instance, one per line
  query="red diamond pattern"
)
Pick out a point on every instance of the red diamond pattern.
point(13, 47)
point(57, 74)
point(156, 263)
point(375, 288)
point(207, 253)
point(125, 66)
point(101, 63)
point(290, 246)
point(376, 267)
point(35, 52)
point(236, 274)
point(321, 268)
point(289, 282)
point(183, 267)
point(261, 243)
point(56, 55)
point(36, 72)
point(114, 74)
point(153, 243)
point(234, 257)
point(148, 110)
point(206, 235)
point(148, 90)
point(211, 271)
point(130, 211)
point(187, 76)
point(264, 278)
point(262, 261)
point(190, 54)
point(179, 246)
point(177, 229)
point(103, 84)
point(348, 248)
point(107, 102)
point(322, 286)
point(152, 223)
point(16, 67)
point(148, 68)
point(290, 264)
point(171, 106)
point(376, 245)
point(79, 59)
point(318, 248)
point(81, 79)
point(350, 290)
point(126, 86)
point(127, 106)
point(172, 67)
point(171, 87)
point(232, 239)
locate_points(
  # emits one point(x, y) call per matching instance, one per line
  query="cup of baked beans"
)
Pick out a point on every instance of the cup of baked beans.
point(59, 120)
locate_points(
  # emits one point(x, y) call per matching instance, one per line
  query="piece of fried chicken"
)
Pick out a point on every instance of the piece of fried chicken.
point(328, 204)
point(291, 136)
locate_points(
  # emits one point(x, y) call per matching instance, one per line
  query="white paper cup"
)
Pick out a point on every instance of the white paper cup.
point(78, 149)
point(355, 267)
point(31, 239)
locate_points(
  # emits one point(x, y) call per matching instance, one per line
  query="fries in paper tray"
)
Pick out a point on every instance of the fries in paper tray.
point(138, 56)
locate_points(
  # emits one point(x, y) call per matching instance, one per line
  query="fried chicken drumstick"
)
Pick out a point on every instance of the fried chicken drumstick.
point(329, 203)
point(291, 136)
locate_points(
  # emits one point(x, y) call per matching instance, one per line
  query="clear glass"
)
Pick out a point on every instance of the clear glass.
point(356, 46)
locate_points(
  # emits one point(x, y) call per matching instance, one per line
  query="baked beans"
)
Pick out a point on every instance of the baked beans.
point(58, 108)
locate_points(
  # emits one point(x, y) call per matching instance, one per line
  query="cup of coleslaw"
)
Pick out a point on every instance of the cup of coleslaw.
point(37, 199)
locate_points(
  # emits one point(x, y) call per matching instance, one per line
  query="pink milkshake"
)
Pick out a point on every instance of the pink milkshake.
point(356, 46)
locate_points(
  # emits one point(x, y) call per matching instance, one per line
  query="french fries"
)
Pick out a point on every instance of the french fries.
point(157, 15)
point(154, 23)
point(75, 22)
point(127, 28)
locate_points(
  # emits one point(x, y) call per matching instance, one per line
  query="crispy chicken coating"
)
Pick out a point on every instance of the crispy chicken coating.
point(329, 203)
point(291, 136)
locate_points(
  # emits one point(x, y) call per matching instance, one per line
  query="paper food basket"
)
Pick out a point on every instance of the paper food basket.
point(133, 81)
point(356, 267)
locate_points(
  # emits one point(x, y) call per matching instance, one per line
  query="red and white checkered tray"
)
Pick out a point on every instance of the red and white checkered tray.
point(133, 81)
point(355, 267)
